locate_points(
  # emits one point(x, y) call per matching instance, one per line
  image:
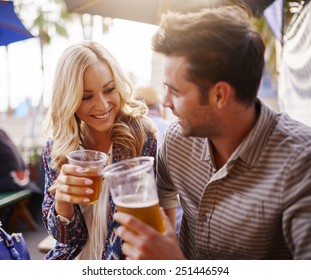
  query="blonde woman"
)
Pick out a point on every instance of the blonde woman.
point(92, 108)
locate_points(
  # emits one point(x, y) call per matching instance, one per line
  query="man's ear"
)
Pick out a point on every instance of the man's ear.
point(222, 92)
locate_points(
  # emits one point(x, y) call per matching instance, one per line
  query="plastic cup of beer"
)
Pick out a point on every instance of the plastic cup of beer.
point(92, 164)
point(133, 189)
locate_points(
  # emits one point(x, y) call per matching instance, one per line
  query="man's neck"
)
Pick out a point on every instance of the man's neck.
point(225, 145)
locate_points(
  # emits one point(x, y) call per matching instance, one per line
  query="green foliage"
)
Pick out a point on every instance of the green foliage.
point(44, 18)
point(35, 154)
point(31, 154)
point(264, 29)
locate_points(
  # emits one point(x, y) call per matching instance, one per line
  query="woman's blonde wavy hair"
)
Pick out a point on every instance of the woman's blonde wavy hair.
point(65, 128)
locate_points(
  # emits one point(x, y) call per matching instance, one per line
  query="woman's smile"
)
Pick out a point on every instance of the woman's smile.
point(104, 116)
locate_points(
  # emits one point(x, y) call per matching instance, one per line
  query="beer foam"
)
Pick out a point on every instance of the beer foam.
point(135, 201)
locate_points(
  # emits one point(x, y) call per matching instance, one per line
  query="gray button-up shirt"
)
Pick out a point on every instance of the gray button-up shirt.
point(257, 206)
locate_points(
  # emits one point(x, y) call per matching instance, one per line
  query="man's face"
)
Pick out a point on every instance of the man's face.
point(183, 98)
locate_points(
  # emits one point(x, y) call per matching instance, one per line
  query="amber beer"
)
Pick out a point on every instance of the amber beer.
point(134, 191)
point(92, 164)
point(146, 211)
point(96, 186)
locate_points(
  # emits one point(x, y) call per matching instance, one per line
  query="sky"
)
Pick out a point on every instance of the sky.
point(20, 74)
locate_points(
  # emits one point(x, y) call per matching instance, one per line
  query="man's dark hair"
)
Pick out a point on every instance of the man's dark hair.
point(219, 44)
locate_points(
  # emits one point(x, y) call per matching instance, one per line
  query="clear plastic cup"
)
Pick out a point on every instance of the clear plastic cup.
point(92, 164)
point(133, 189)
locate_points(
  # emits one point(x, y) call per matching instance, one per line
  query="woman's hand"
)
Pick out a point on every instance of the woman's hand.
point(144, 242)
point(71, 188)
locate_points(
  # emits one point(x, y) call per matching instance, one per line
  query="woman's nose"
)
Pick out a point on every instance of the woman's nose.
point(101, 100)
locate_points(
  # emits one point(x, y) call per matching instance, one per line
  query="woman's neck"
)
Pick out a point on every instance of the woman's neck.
point(98, 141)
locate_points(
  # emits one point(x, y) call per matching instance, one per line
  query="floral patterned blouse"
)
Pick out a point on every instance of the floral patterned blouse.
point(72, 237)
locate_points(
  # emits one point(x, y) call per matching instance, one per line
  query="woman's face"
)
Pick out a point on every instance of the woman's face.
point(101, 101)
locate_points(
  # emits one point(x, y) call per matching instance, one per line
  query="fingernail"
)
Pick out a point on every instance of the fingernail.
point(79, 170)
point(89, 191)
point(88, 182)
point(86, 200)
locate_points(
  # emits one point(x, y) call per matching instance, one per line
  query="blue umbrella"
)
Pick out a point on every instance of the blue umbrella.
point(11, 28)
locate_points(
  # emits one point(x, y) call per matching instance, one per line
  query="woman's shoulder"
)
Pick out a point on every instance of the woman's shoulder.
point(151, 137)
point(150, 146)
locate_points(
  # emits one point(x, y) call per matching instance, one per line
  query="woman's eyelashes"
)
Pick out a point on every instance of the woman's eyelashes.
point(110, 90)
point(86, 97)
point(105, 91)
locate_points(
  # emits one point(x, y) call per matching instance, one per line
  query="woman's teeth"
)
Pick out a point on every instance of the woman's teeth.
point(101, 116)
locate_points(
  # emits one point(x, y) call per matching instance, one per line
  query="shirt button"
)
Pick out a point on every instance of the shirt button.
point(204, 218)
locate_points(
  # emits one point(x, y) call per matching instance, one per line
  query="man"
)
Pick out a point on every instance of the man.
point(241, 169)
point(14, 173)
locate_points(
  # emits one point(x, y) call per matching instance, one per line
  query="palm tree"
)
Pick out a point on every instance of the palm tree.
point(49, 18)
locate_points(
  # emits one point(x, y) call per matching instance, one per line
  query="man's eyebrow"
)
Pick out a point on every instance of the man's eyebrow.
point(171, 87)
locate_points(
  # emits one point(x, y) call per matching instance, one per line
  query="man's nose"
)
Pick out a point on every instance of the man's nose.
point(166, 102)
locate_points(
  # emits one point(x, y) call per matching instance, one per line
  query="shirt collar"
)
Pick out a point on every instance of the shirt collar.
point(251, 147)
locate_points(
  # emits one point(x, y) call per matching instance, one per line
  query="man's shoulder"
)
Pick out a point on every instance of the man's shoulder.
point(282, 130)
point(293, 130)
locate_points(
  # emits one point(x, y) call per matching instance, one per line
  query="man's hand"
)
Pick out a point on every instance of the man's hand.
point(144, 242)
